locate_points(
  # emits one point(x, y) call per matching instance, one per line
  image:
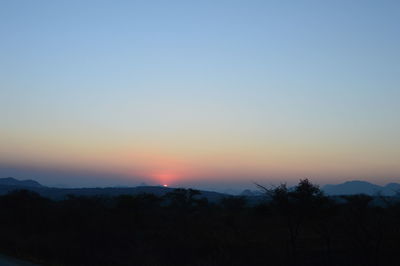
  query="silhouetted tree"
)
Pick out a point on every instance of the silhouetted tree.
point(183, 198)
point(295, 205)
point(148, 230)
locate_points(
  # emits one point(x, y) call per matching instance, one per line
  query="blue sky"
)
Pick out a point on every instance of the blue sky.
point(202, 91)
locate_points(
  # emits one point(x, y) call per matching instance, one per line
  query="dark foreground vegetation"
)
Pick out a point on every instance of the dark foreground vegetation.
point(297, 226)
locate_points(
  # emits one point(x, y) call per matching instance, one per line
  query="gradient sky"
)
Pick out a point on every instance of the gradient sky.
point(211, 94)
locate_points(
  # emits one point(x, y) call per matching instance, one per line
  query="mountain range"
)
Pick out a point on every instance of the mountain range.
point(362, 187)
point(10, 184)
point(9, 181)
point(347, 188)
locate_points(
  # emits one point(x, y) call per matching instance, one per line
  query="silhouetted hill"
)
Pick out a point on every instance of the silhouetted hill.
point(9, 181)
point(361, 187)
point(251, 193)
point(10, 184)
point(392, 187)
point(348, 188)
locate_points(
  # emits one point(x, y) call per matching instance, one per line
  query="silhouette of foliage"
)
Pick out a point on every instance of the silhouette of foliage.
point(289, 226)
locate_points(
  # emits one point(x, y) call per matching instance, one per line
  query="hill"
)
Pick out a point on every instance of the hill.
point(10, 184)
point(10, 181)
point(361, 187)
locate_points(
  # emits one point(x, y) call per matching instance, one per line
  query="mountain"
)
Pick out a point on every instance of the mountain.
point(9, 184)
point(9, 181)
point(361, 187)
point(252, 193)
point(392, 188)
point(348, 188)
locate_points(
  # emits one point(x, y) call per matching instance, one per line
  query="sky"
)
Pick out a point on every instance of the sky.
point(208, 94)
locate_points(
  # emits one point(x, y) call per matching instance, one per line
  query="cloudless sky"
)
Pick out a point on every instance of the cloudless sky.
point(208, 94)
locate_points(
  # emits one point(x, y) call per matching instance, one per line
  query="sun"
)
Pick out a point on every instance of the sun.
point(165, 178)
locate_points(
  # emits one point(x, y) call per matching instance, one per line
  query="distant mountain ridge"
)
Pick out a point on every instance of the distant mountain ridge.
point(361, 187)
point(347, 188)
point(10, 181)
point(10, 184)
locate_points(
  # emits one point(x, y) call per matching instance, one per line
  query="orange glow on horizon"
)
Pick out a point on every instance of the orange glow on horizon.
point(165, 178)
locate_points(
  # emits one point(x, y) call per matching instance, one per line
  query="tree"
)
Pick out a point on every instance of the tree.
point(296, 206)
point(183, 198)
